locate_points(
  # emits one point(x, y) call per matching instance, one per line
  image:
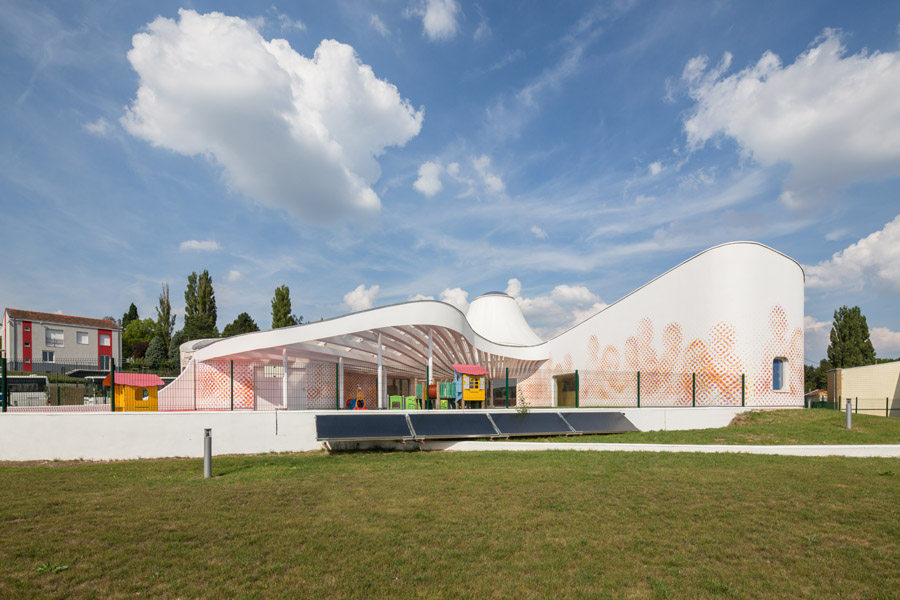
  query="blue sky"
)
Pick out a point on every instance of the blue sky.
point(365, 153)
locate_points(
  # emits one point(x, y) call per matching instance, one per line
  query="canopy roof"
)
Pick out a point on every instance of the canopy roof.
point(402, 332)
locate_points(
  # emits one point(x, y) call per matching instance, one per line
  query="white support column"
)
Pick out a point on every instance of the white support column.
point(380, 377)
point(284, 380)
point(430, 358)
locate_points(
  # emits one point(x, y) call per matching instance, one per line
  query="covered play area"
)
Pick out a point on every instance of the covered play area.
point(724, 328)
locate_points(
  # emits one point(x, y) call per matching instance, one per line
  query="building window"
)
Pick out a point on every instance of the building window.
point(105, 339)
point(53, 338)
point(27, 361)
point(27, 328)
point(103, 363)
point(145, 394)
point(82, 338)
point(778, 364)
point(47, 356)
point(28, 344)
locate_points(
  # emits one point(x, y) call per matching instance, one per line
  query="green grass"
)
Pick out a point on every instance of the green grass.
point(451, 525)
point(819, 426)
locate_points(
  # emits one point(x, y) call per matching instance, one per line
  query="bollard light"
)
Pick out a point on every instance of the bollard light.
point(849, 414)
point(207, 453)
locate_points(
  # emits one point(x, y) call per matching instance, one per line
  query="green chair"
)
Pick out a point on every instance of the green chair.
point(396, 402)
point(444, 404)
point(411, 403)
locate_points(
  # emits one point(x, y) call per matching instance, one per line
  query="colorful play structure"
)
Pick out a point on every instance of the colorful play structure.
point(136, 392)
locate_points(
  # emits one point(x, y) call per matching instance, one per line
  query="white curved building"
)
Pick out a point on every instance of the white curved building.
point(725, 327)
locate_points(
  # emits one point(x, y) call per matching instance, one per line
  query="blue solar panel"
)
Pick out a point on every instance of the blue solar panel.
point(530, 423)
point(598, 422)
point(451, 425)
point(372, 426)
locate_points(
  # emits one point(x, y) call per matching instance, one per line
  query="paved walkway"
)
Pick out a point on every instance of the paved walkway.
point(878, 450)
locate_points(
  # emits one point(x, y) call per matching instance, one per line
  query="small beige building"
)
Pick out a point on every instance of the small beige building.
point(873, 389)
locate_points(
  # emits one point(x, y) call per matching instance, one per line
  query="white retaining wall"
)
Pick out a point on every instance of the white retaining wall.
point(122, 436)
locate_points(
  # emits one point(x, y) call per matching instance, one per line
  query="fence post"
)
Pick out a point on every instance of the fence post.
point(693, 389)
point(232, 385)
point(507, 387)
point(57, 389)
point(577, 391)
point(112, 384)
point(3, 385)
point(743, 387)
point(856, 410)
point(337, 386)
point(887, 410)
point(425, 395)
point(639, 389)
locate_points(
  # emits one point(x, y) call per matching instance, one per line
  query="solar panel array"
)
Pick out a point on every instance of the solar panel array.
point(450, 425)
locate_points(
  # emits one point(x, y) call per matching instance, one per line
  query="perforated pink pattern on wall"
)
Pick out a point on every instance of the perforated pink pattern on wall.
point(214, 385)
point(610, 376)
point(321, 385)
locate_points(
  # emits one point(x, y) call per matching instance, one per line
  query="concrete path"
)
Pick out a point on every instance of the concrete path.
point(876, 450)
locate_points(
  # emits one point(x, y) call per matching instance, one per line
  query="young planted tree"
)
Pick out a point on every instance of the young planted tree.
point(281, 309)
point(243, 323)
point(850, 344)
point(200, 307)
point(165, 319)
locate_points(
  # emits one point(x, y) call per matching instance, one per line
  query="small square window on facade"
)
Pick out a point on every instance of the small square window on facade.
point(28, 344)
point(105, 340)
point(27, 328)
point(48, 356)
point(82, 338)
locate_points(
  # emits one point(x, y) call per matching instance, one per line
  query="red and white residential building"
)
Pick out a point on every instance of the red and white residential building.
point(35, 340)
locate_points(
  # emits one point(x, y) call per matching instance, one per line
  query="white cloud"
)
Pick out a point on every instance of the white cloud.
point(885, 341)
point(101, 127)
point(538, 232)
point(288, 23)
point(491, 182)
point(837, 234)
point(457, 297)
point(291, 132)
point(816, 336)
point(420, 297)
point(555, 312)
point(439, 18)
point(873, 260)
point(379, 26)
point(834, 118)
point(655, 168)
point(202, 246)
point(429, 181)
point(234, 276)
point(361, 298)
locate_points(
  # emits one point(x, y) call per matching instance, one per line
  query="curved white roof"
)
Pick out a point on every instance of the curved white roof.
point(497, 316)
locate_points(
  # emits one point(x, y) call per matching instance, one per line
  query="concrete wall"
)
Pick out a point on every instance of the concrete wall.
point(121, 436)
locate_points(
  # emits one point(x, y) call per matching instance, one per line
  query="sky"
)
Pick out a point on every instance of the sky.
point(370, 152)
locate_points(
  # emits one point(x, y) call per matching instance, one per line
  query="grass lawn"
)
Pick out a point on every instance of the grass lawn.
point(451, 525)
point(817, 426)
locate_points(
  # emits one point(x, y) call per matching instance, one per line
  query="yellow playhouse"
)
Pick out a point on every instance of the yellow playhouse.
point(136, 391)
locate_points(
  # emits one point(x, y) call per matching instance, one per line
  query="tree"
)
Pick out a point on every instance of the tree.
point(156, 352)
point(129, 316)
point(850, 344)
point(816, 378)
point(137, 336)
point(165, 318)
point(200, 307)
point(243, 323)
point(178, 338)
point(281, 309)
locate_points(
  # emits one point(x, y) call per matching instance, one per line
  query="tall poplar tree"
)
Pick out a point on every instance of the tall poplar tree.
point(281, 309)
point(129, 316)
point(850, 344)
point(200, 307)
point(165, 318)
